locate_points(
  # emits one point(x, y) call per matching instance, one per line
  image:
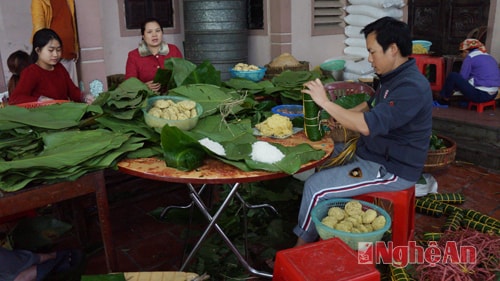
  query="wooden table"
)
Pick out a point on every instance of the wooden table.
point(30, 198)
point(216, 172)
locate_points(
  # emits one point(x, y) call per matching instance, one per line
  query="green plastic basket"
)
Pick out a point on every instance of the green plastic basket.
point(333, 65)
point(321, 210)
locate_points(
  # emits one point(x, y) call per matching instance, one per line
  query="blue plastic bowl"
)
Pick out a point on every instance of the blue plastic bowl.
point(289, 110)
point(321, 210)
point(253, 75)
point(426, 44)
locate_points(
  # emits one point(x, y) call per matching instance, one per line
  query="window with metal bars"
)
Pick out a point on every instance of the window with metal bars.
point(138, 10)
point(255, 14)
point(327, 17)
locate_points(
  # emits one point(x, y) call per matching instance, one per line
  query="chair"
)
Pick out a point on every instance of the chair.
point(114, 80)
point(478, 33)
point(340, 89)
point(403, 213)
point(480, 106)
point(424, 61)
point(330, 259)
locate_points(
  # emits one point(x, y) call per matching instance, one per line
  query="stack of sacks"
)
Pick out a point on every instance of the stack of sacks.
point(358, 69)
point(359, 14)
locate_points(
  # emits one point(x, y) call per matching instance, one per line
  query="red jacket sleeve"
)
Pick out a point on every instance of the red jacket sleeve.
point(131, 69)
point(174, 51)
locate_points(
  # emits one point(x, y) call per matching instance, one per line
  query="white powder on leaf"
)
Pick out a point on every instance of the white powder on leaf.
point(213, 146)
point(265, 152)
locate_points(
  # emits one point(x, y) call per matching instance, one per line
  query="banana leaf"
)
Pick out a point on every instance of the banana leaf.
point(181, 151)
point(291, 83)
point(104, 277)
point(125, 101)
point(249, 86)
point(65, 149)
point(162, 76)
point(204, 73)
point(210, 97)
point(215, 128)
point(68, 115)
point(67, 156)
point(350, 101)
point(237, 139)
point(181, 69)
point(136, 126)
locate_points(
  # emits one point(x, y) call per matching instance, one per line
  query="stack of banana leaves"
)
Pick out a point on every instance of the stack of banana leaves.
point(62, 142)
point(48, 144)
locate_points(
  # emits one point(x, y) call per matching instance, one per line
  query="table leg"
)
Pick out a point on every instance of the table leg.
point(168, 208)
point(247, 206)
point(250, 206)
point(103, 214)
point(213, 224)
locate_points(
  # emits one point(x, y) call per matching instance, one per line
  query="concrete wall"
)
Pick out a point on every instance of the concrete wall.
point(104, 49)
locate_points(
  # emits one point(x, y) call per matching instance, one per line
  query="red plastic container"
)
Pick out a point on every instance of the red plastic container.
point(329, 259)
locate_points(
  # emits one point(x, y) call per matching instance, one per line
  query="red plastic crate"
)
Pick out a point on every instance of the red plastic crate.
point(329, 259)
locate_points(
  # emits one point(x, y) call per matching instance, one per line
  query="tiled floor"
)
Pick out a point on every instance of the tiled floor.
point(144, 244)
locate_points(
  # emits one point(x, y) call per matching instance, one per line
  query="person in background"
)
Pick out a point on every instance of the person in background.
point(151, 54)
point(479, 76)
point(59, 15)
point(46, 78)
point(24, 265)
point(16, 62)
point(395, 127)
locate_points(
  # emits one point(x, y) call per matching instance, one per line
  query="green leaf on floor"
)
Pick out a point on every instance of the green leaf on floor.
point(104, 277)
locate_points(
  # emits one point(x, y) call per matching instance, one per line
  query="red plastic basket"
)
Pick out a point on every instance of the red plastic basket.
point(340, 89)
point(36, 104)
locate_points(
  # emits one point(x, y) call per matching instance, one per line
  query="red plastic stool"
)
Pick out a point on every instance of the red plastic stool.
point(481, 105)
point(423, 61)
point(403, 213)
point(329, 259)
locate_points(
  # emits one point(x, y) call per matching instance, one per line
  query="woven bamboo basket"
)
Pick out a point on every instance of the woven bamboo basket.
point(339, 133)
point(272, 72)
point(441, 158)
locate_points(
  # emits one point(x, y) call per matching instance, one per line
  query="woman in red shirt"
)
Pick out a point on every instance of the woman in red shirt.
point(151, 54)
point(46, 78)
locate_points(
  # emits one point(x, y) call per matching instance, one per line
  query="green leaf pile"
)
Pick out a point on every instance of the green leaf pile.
point(291, 83)
point(53, 147)
point(182, 149)
point(125, 101)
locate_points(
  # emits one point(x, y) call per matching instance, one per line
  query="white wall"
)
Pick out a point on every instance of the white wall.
point(314, 49)
point(495, 38)
point(15, 31)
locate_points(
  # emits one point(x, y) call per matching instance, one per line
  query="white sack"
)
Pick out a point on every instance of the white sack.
point(374, 12)
point(355, 42)
point(359, 20)
point(353, 31)
point(356, 51)
point(380, 3)
point(362, 67)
